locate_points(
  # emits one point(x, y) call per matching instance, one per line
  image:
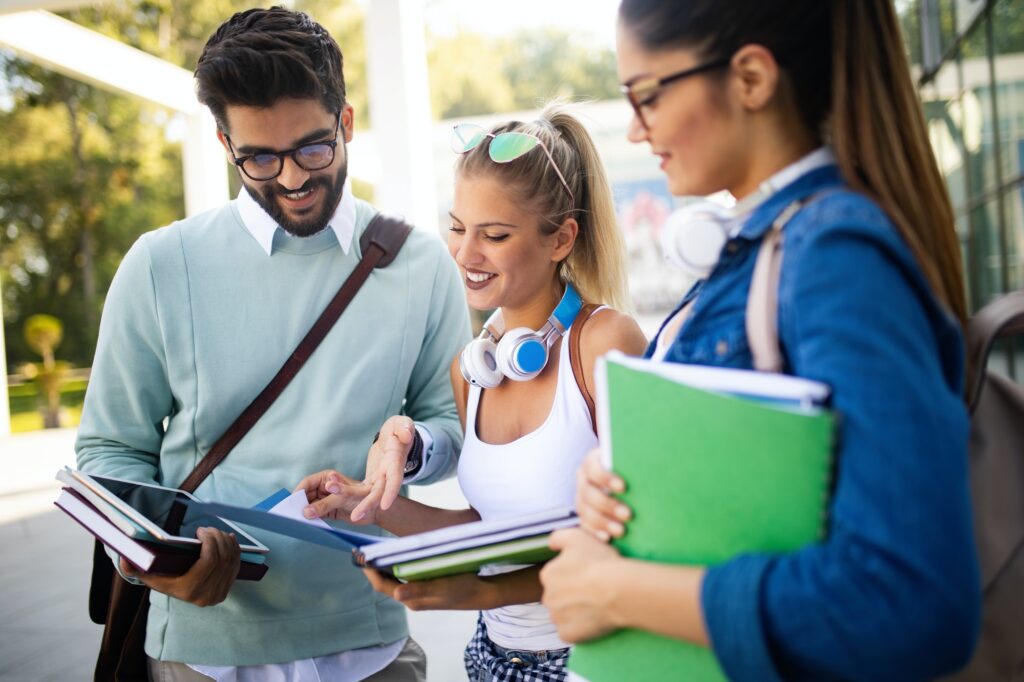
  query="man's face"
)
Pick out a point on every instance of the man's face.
point(301, 201)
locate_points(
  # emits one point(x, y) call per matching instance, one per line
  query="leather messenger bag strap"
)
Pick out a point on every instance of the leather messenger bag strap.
point(380, 243)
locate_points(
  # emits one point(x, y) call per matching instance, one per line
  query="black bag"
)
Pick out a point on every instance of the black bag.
point(997, 488)
point(123, 608)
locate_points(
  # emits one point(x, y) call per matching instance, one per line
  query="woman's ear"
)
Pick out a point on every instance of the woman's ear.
point(756, 76)
point(564, 239)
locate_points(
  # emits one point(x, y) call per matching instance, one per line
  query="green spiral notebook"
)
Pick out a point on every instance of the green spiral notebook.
point(717, 462)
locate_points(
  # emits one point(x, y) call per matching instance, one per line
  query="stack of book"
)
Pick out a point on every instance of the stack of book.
point(463, 548)
point(123, 530)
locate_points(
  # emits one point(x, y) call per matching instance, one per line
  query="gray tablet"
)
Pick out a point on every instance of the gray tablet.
point(161, 512)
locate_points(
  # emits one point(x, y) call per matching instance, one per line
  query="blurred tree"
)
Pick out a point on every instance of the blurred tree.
point(43, 333)
point(85, 172)
point(471, 74)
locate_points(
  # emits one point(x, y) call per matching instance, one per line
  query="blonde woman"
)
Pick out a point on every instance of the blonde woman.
point(533, 231)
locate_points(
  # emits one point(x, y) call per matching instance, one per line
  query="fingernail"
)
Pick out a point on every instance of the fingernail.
point(603, 536)
point(355, 517)
point(618, 486)
point(622, 511)
point(309, 512)
point(616, 529)
point(333, 489)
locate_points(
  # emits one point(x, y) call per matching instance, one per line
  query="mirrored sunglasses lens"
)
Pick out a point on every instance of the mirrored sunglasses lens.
point(466, 136)
point(509, 146)
point(315, 156)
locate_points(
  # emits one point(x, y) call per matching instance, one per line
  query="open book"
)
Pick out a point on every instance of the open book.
point(446, 551)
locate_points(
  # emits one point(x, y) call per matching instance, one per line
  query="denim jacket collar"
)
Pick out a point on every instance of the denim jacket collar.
point(801, 188)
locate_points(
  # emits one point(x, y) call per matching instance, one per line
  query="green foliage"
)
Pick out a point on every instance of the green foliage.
point(43, 333)
point(85, 172)
point(471, 74)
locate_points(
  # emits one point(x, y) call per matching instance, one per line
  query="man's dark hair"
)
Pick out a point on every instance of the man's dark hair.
point(260, 56)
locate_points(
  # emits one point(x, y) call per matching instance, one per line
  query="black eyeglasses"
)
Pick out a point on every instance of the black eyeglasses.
point(644, 91)
point(268, 165)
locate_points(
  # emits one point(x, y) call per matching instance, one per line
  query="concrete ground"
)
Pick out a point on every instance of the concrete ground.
point(45, 631)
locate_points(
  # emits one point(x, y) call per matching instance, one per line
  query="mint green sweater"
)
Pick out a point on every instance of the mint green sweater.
point(197, 321)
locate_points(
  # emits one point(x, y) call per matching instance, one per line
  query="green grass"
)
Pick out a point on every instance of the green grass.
point(22, 422)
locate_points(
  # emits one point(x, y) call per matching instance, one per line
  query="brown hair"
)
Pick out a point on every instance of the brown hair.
point(848, 71)
point(596, 267)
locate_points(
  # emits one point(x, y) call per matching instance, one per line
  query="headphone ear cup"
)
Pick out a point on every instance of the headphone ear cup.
point(522, 354)
point(478, 364)
point(693, 236)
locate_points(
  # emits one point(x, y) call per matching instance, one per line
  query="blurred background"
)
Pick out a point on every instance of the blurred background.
point(102, 140)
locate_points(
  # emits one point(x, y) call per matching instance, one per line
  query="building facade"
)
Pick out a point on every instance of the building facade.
point(968, 59)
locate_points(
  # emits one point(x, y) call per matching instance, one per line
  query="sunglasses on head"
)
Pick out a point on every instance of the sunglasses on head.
point(503, 148)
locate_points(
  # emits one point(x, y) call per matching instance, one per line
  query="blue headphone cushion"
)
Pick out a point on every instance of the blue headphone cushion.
point(531, 356)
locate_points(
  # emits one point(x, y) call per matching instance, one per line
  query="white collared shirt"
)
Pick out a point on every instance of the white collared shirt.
point(263, 227)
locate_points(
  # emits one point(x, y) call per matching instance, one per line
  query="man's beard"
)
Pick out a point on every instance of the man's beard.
point(267, 199)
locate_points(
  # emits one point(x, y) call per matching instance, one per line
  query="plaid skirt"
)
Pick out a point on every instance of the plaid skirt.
point(487, 662)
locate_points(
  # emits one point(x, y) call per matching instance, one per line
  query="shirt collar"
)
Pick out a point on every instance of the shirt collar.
point(262, 227)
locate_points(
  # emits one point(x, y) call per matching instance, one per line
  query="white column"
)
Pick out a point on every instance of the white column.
point(5, 408)
point(400, 110)
point(206, 171)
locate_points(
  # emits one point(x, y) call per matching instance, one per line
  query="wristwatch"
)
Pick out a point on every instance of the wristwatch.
point(415, 458)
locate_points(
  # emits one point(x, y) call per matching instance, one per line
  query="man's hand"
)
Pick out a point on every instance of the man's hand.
point(385, 466)
point(209, 579)
point(333, 495)
point(600, 514)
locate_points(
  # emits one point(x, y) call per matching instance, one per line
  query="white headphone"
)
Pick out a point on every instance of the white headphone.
point(693, 236)
point(519, 354)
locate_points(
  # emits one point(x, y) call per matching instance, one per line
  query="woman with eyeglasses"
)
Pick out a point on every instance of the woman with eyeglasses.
point(809, 104)
point(533, 231)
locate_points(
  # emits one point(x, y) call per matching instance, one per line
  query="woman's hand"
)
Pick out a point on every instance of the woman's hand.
point(208, 580)
point(462, 592)
point(385, 466)
point(579, 587)
point(600, 513)
point(332, 495)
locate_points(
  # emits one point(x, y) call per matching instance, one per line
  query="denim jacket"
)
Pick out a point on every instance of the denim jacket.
point(892, 593)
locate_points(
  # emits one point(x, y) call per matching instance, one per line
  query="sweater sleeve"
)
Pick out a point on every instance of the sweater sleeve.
point(892, 592)
point(429, 400)
point(129, 395)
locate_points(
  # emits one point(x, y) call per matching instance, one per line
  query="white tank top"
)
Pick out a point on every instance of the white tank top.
point(532, 473)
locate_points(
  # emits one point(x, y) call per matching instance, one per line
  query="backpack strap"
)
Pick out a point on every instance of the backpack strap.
point(763, 299)
point(575, 334)
point(381, 241)
point(1002, 317)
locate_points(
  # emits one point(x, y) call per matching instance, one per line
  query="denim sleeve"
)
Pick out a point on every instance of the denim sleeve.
point(892, 593)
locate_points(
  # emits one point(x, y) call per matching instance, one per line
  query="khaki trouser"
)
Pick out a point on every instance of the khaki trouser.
point(410, 666)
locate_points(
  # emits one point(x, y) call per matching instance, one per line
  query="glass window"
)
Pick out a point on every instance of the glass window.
point(1013, 213)
point(1008, 46)
point(979, 127)
point(909, 12)
point(987, 253)
point(944, 118)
